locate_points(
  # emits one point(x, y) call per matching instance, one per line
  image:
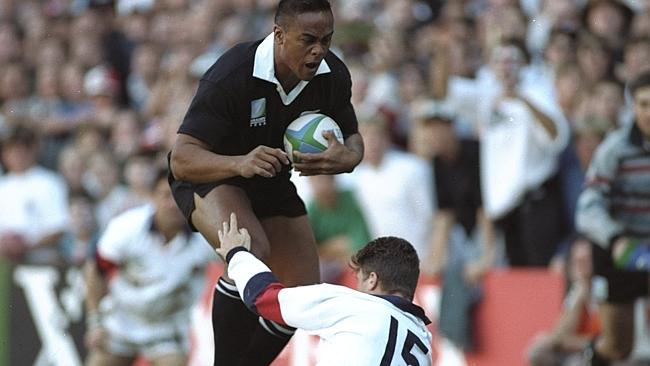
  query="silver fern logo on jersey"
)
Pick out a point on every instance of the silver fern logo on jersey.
point(258, 112)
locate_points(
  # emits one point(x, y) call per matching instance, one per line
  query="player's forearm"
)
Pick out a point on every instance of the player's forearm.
point(256, 284)
point(194, 163)
point(355, 144)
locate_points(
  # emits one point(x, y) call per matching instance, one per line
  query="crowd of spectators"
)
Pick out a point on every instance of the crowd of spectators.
point(94, 91)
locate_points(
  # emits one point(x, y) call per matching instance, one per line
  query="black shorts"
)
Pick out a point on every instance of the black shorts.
point(613, 285)
point(268, 196)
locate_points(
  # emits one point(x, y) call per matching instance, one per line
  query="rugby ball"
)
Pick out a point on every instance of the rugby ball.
point(305, 134)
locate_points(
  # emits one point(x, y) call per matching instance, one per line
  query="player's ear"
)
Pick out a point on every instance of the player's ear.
point(278, 34)
point(373, 280)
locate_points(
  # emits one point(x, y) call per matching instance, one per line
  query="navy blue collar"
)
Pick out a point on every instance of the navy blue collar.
point(406, 306)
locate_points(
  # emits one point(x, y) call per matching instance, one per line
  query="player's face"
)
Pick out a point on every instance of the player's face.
point(302, 43)
point(642, 110)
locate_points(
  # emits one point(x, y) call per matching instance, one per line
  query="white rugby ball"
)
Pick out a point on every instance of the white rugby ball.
point(305, 134)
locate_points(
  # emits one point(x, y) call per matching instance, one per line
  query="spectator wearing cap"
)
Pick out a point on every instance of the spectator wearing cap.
point(33, 214)
point(462, 245)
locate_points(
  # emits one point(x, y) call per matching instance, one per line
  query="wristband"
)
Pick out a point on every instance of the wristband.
point(234, 251)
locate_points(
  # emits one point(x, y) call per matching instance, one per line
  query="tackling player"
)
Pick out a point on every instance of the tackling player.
point(379, 326)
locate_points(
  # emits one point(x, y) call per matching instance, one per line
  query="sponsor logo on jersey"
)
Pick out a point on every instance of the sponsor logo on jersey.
point(258, 112)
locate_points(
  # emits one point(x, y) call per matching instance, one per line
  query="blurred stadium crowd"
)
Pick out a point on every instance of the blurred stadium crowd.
point(93, 91)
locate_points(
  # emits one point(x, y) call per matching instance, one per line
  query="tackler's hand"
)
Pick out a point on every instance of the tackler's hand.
point(231, 237)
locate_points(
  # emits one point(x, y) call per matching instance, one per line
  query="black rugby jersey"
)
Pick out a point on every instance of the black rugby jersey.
point(240, 105)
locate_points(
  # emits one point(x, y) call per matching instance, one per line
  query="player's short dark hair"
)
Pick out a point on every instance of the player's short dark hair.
point(288, 9)
point(642, 81)
point(395, 262)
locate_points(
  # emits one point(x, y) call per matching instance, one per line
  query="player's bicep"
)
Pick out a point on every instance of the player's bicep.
point(183, 140)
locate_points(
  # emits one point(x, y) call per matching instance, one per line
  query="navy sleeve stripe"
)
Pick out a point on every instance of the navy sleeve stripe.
point(256, 286)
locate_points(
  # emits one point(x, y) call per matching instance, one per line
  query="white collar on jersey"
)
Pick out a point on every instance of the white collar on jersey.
point(264, 68)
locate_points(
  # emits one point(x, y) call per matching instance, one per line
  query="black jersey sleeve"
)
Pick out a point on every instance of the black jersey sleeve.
point(210, 115)
point(342, 111)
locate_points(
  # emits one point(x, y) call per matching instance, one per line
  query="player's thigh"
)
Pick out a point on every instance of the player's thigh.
point(293, 256)
point(617, 334)
point(212, 210)
point(171, 359)
point(99, 357)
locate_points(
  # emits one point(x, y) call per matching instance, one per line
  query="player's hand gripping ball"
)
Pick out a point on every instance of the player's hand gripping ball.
point(305, 134)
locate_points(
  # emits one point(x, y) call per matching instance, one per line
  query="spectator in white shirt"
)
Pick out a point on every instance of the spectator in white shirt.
point(394, 188)
point(520, 145)
point(33, 213)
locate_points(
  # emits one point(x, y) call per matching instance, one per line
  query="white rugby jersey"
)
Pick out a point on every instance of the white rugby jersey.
point(152, 281)
point(355, 328)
